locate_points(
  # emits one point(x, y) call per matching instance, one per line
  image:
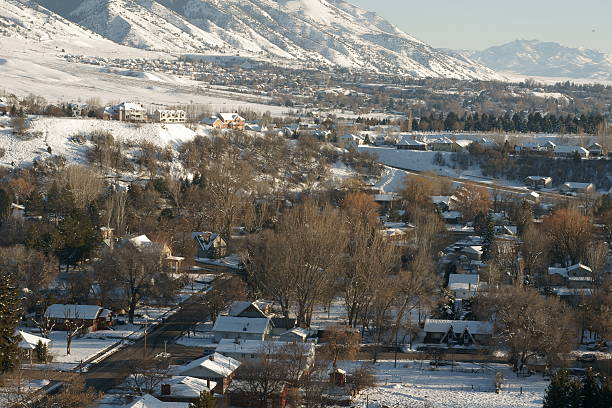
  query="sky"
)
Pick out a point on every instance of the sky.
point(479, 24)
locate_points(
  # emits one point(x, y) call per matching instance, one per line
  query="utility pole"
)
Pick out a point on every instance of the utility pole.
point(145, 336)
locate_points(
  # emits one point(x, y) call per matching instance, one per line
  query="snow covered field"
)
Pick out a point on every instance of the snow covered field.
point(413, 383)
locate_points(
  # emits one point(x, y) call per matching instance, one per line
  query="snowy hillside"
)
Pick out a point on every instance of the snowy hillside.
point(311, 31)
point(59, 134)
point(546, 59)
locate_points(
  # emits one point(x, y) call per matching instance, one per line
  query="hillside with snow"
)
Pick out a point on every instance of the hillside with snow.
point(546, 59)
point(331, 32)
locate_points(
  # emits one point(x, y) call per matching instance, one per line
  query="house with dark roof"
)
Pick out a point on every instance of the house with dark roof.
point(457, 332)
point(209, 245)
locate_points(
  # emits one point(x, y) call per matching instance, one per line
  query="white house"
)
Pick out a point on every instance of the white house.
point(408, 143)
point(183, 389)
point(214, 367)
point(297, 334)
point(126, 112)
point(573, 187)
point(571, 151)
point(243, 328)
point(30, 341)
point(463, 286)
point(350, 141)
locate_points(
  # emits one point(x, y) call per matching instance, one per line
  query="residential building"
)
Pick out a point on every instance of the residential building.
point(595, 149)
point(209, 245)
point(574, 277)
point(149, 401)
point(241, 328)
point(350, 141)
point(577, 188)
point(183, 389)
point(249, 350)
point(170, 116)
point(463, 286)
point(255, 309)
point(538, 181)
point(214, 367)
point(444, 144)
point(295, 335)
point(461, 332)
point(126, 112)
point(408, 143)
point(226, 121)
point(571, 151)
point(93, 318)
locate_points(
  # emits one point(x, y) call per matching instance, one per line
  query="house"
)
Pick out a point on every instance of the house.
point(538, 181)
point(444, 203)
point(243, 328)
point(29, 341)
point(226, 121)
point(170, 116)
point(142, 243)
point(578, 188)
point(17, 211)
point(595, 149)
point(386, 200)
point(350, 141)
point(463, 286)
point(444, 144)
point(210, 245)
point(461, 332)
point(473, 252)
point(571, 151)
point(126, 112)
point(408, 143)
point(183, 389)
point(379, 140)
point(295, 335)
point(255, 309)
point(214, 367)
point(149, 401)
point(249, 350)
point(452, 217)
point(574, 277)
point(92, 317)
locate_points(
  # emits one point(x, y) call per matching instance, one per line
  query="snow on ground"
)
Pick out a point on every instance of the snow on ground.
point(28, 67)
point(392, 181)
point(340, 171)
point(82, 348)
point(414, 382)
point(57, 132)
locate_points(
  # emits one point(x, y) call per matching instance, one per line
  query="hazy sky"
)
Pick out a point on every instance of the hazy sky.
point(478, 24)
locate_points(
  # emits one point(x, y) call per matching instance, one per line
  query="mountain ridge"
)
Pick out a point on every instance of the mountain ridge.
point(331, 32)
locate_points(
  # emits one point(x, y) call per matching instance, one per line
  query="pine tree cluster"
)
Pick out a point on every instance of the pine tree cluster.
point(566, 391)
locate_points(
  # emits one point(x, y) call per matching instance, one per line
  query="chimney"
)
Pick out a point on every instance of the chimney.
point(166, 389)
point(211, 357)
point(208, 384)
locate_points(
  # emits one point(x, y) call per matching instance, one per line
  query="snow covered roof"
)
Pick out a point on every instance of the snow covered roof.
point(577, 186)
point(240, 306)
point(408, 141)
point(463, 142)
point(149, 401)
point(569, 271)
point(451, 215)
point(207, 240)
point(570, 149)
point(539, 178)
point(190, 387)
point(141, 241)
point(296, 331)
point(350, 136)
point(214, 365)
point(455, 278)
point(241, 325)
point(228, 117)
point(473, 249)
point(30, 341)
point(442, 326)
point(85, 312)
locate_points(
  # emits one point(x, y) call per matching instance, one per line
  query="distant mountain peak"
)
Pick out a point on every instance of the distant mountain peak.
point(546, 59)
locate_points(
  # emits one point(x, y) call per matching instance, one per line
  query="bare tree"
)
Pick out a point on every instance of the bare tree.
point(340, 343)
point(146, 374)
point(73, 325)
point(83, 182)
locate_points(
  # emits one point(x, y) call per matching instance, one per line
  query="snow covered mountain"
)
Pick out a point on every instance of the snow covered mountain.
point(310, 31)
point(546, 59)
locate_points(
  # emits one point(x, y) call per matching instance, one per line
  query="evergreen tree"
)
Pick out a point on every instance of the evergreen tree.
point(563, 392)
point(9, 321)
point(206, 400)
point(488, 237)
point(596, 391)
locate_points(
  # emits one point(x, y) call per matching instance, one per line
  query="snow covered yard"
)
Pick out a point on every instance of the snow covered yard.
point(415, 383)
point(82, 348)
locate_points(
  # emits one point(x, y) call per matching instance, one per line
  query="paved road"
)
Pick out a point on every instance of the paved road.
point(491, 185)
point(113, 370)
